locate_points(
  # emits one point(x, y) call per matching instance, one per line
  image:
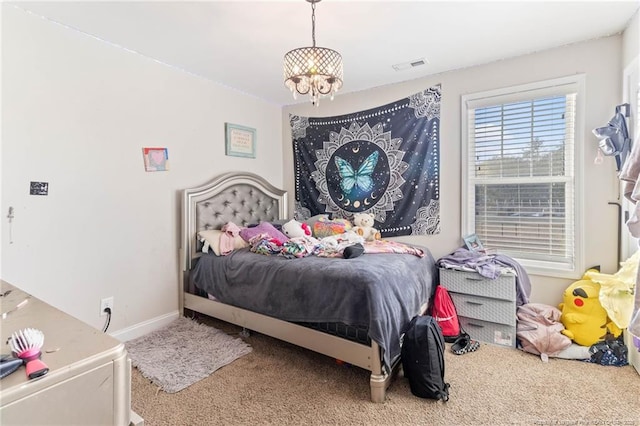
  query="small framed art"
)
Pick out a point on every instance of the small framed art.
point(156, 159)
point(241, 140)
point(473, 243)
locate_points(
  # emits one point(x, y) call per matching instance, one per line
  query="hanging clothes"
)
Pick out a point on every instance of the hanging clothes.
point(614, 137)
point(617, 290)
point(631, 191)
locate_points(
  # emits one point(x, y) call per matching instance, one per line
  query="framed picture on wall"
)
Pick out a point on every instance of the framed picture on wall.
point(156, 159)
point(473, 243)
point(241, 140)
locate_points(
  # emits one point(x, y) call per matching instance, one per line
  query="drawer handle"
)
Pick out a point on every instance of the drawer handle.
point(475, 303)
point(474, 278)
point(476, 325)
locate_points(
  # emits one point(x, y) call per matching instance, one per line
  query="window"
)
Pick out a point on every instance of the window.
point(520, 173)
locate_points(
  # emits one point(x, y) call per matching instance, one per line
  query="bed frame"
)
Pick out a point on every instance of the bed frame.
point(243, 198)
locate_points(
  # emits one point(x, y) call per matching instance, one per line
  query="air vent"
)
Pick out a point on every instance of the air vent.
point(410, 64)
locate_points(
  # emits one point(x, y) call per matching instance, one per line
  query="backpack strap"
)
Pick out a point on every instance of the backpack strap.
point(444, 394)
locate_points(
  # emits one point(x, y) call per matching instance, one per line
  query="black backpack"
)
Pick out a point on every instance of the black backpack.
point(422, 357)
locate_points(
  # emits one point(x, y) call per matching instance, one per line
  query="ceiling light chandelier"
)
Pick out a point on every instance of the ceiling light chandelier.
point(313, 70)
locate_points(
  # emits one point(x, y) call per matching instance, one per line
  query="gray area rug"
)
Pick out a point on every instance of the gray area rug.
point(183, 352)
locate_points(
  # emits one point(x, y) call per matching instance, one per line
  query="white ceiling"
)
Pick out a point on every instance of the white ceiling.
point(241, 44)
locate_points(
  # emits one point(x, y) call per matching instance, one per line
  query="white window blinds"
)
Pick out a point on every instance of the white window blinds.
point(521, 174)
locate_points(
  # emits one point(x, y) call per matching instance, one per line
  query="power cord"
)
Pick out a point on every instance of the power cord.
point(106, 326)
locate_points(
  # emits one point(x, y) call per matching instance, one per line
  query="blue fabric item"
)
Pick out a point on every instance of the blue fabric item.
point(380, 291)
point(490, 266)
point(614, 137)
point(611, 351)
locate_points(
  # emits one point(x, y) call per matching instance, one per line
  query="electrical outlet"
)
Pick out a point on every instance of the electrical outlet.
point(105, 303)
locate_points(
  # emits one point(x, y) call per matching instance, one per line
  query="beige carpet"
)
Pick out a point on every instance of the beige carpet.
point(280, 384)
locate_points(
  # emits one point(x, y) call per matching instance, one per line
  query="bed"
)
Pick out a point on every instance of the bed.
point(349, 309)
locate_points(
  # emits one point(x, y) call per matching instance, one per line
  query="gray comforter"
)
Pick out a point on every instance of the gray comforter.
point(380, 291)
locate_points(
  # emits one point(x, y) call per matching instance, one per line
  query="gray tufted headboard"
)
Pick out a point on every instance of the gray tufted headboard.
point(238, 197)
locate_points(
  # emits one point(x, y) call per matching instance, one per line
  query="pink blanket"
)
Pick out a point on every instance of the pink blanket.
point(384, 246)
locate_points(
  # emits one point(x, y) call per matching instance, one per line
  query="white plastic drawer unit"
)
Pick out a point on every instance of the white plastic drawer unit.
point(486, 307)
point(503, 287)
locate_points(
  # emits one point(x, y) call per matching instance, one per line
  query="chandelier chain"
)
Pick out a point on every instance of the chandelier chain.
point(313, 23)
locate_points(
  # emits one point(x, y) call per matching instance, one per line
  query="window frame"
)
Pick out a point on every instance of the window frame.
point(558, 86)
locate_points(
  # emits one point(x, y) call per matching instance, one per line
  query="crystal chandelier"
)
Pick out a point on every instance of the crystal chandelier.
point(313, 70)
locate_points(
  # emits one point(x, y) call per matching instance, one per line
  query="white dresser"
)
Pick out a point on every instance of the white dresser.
point(89, 378)
point(486, 307)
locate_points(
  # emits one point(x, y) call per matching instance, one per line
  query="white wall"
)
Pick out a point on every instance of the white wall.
point(631, 40)
point(76, 113)
point(600, 60)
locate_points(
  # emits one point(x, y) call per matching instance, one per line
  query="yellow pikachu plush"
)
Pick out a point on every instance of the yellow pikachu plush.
point(585, 320)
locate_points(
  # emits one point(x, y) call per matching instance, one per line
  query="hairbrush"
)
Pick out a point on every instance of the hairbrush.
point(26, 345)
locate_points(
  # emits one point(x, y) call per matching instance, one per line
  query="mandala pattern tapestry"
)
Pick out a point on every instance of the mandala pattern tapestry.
point(383, 161)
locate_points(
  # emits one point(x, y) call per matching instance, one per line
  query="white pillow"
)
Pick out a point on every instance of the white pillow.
point(574, 351)
point(211, 240)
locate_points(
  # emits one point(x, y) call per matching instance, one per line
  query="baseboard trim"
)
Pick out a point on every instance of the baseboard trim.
point(145, 327)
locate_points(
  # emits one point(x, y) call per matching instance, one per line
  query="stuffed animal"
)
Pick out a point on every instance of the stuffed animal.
point(584, 318)
point(363, 226)
point(293, 229)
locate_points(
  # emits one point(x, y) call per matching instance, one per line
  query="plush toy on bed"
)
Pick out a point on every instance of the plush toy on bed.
point(363, 225)
point(293, 229)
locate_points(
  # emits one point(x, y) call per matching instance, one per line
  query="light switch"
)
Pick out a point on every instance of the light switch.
point(39, 188)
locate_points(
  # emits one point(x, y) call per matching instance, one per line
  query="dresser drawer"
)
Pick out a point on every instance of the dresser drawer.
point(503, 287)
point(482, 308)
point(489, 332)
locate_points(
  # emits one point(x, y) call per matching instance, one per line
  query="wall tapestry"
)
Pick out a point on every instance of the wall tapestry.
point(383, 161)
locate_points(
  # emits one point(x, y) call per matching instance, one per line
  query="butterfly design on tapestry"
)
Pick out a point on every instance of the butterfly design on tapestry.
point(360, 178)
